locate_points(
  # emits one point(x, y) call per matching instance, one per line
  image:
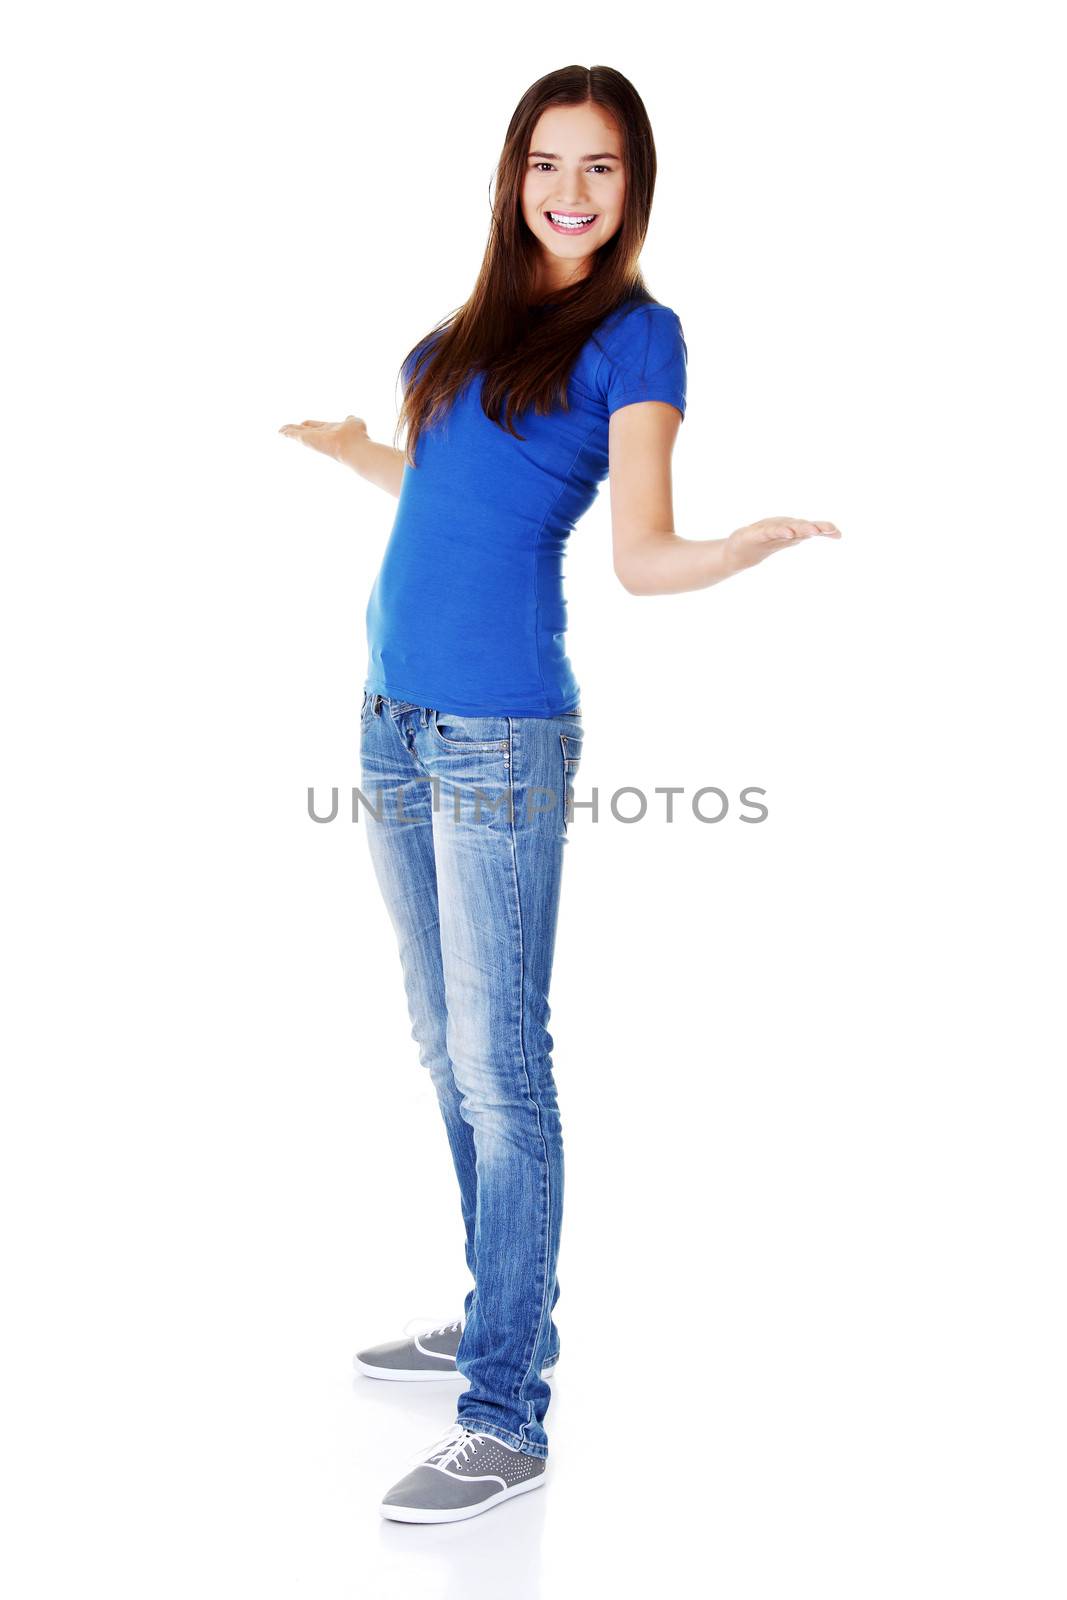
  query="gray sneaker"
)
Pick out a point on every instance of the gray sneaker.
point(464, 1473)
point(424, 1356)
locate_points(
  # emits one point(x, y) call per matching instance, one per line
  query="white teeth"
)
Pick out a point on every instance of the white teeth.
point(571, 222)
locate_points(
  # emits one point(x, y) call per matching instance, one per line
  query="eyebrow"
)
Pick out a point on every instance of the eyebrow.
point(604, 155)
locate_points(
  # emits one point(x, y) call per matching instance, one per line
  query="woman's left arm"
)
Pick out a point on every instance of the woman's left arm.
point(648, 556)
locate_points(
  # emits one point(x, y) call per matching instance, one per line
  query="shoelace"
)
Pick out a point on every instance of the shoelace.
point(452, 1447)
point(441, 1327)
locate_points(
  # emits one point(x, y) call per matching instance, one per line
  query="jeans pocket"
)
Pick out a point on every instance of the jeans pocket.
point(571, 745)
point(572, 751)
point(470, 733)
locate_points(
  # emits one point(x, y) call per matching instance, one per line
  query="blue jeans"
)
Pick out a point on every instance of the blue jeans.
point(469, 823)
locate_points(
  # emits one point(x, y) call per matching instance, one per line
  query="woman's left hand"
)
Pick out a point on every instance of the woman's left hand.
point(749, 545)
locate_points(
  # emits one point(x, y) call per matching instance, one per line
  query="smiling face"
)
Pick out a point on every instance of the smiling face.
point(573, 191)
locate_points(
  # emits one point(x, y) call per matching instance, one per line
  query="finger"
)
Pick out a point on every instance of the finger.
point(829, 527)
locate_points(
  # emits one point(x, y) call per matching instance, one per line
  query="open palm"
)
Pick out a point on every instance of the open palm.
point(335, 439)
point(757, 541)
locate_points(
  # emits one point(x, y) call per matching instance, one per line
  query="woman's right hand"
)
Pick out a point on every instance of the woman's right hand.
point(341, 440)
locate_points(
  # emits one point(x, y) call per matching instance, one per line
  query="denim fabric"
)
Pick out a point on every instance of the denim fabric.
point(467, 819)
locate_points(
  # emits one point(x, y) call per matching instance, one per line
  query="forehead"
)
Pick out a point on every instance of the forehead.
point(574, 131)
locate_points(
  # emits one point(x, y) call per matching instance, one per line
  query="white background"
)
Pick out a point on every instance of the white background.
point(812, 1310)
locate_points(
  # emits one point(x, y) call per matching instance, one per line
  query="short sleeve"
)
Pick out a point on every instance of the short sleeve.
point(644, 358)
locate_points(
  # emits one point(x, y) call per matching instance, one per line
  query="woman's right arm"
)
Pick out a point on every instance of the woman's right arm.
point(348, 442)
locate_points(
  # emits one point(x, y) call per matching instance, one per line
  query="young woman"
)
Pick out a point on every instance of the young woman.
point(560, 370)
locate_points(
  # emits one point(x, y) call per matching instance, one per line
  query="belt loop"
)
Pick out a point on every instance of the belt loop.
point(425, 718)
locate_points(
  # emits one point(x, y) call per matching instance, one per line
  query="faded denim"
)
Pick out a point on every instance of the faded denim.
point(471, 880)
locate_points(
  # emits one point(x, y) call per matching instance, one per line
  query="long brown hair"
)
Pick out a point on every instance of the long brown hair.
point(525, 358)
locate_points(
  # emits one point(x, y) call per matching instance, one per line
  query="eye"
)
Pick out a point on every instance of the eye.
point(598, 166)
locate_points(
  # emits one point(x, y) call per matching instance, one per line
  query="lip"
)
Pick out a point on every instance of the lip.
point(571, 232)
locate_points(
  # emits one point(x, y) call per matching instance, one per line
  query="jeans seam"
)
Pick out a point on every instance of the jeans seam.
point(547, 1219)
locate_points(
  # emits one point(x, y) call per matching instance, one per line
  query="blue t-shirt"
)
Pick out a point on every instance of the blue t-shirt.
point(467, 613)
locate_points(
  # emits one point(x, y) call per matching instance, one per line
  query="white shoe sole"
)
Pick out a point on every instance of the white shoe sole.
point(416, 1375)
point(459, 1514)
